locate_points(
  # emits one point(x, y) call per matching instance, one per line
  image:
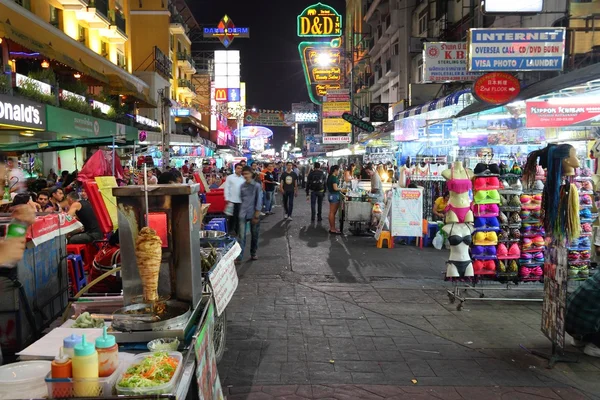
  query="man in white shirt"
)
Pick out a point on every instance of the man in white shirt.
point(233, 197)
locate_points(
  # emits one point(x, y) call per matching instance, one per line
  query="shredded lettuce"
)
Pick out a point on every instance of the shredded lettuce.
point(155, 370)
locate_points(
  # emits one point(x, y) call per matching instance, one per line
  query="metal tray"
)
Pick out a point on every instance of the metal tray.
point(127, 322)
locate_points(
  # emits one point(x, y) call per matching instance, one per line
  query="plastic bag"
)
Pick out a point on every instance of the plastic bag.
point(229, 209)
point(438, 241)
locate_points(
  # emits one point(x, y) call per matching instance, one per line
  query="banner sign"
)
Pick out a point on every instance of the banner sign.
point(207, 373)
point(557, 112)
point(520, 49)
point(323, 68)
point(446, 62)
point(496, 88)
point(335, 125)
point(226, 31)
point(407, 212)
point(335, 109)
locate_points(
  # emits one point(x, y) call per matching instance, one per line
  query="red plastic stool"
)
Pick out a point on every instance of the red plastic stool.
point(86, 251)
point(77, 278)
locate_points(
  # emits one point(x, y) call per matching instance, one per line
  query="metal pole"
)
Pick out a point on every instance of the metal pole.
point(352, 81)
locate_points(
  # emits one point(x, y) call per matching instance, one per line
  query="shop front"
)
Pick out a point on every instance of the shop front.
point(69, 125)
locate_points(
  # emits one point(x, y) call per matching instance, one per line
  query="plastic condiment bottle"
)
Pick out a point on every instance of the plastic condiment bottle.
point(85, 366)
point(61, 369)
point(69, 344)
point(108, 354)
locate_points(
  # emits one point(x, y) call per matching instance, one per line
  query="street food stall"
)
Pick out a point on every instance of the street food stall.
point(360, 208)
point(176, 286)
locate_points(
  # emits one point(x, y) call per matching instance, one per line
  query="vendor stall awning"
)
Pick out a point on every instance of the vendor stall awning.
point(57, 145)
point(540, 88)
point(8, 31)
point(458, 98)
point(120, 86)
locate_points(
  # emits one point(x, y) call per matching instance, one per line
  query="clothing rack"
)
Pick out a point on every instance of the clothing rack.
point(433, 187)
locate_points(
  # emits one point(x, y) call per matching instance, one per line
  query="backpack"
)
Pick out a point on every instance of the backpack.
point(317, 181)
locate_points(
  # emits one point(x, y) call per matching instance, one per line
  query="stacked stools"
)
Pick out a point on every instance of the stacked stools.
point(459, 221)
point(77, 278)
point(485, 206)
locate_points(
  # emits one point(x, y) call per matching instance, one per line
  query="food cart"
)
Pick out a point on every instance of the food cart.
point(191, 302)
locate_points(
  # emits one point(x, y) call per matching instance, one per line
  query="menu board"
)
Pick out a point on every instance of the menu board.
point(224, 279)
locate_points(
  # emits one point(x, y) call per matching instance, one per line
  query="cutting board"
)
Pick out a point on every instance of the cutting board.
point(48, 346)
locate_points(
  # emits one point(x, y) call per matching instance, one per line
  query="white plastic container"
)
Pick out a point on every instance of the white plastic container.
point(24, 380)
point(167, 388)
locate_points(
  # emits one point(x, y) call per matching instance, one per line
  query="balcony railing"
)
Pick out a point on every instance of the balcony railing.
point(183, 56)
point(101, 7)
point(117, 19)
point(162, 64)
point(184, 83)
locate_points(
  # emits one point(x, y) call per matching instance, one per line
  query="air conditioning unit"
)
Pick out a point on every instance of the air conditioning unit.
point(415, 45)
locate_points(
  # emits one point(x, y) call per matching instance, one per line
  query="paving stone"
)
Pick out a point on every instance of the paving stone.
point(336, 331)
point(358, 366)
point(388, 355)
point(366, 297)
point(384, 343)
point(420, 368)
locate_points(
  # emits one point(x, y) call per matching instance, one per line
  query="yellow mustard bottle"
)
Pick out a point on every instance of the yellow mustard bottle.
point(85, 370)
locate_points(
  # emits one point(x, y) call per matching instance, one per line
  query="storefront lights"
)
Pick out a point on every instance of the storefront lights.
point(45, 64)
point(76, 75)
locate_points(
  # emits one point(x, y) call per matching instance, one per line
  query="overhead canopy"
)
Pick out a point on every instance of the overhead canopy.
point(120, 86)
point(57, 145)
point(459, 99)
point(540, 88)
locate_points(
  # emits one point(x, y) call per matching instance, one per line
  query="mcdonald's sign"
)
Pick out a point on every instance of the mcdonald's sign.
point(221, 95)
point(319, 20)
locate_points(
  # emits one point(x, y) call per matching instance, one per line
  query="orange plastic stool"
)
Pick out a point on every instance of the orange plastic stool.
point(385, 235)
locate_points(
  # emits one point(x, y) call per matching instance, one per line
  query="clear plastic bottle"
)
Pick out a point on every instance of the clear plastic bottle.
point(108, 354)
point(85, 370)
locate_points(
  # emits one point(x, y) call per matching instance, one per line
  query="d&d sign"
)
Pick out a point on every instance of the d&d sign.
point(319, 20)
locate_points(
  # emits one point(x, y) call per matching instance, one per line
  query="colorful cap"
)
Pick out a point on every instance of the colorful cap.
point(84, 348)
point(71, 341)
point(105, 341)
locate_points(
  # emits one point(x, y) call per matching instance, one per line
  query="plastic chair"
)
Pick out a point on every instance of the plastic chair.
point(385, 235)
point(86, 251)
point(77, 276)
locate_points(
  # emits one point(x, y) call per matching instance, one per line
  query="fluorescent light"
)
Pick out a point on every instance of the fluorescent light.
point(573, 100)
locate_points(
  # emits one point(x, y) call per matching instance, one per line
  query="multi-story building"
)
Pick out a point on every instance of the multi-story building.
point(71, 60)
point(398, 29)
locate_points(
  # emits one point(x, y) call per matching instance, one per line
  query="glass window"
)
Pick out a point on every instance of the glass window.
point(54, 16)
point(172, 42)
point(121, 60)
point(423, 17)
point(104, 49)
point(82, 37)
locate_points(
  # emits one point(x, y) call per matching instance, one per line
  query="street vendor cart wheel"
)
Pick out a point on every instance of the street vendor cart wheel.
point(220, 335)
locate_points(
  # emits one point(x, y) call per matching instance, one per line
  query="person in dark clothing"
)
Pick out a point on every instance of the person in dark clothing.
point(315, 191)
point(270, 183)
point(167, 178)
point(289, 189)
point(83, 211)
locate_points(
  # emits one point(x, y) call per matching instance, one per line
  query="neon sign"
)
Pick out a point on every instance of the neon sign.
point(226, 31)
point(323, 67)
point(319, 20)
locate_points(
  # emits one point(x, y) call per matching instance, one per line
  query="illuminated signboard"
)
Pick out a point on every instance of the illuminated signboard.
point(221, 95)
point(319, 20)
point(323, 67)
point(226, 31)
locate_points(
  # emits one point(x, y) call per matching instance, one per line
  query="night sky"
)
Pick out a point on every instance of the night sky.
point(270, 61)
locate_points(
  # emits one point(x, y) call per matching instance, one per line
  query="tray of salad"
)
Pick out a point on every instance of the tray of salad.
point(151, 373)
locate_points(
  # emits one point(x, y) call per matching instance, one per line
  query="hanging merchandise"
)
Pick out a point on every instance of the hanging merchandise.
point(487, 224)
point(579, 250)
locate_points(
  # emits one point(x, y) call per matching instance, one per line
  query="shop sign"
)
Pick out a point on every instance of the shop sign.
point(496, 88)
point(65, 94)
point(446, 62)
point(226, 31)
point(335, 125)
point(407, 129)
point(306, 117)
point(22, 80)
point(319, 20)
point(227, 95)
point(335, 108)
point(274, 118)
point(513, 6)
point(221, 95)
point(146, 121)
point(574, 133)
point(22, 113)
point(80, 125)
point(519, 49)
point(298, 108)
point(559, 112)
point(379, 112)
